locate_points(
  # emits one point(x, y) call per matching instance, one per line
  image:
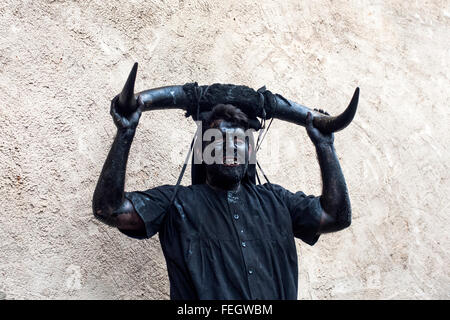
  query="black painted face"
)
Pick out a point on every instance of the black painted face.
point(230, 153)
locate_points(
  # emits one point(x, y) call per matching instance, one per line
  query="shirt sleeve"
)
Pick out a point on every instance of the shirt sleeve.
point(152, 206)
point(305, 211)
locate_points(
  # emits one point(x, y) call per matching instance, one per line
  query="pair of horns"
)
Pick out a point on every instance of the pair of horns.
point(174, 97)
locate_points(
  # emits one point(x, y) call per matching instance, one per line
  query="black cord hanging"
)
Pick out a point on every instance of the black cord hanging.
point(198, 92)
point(262, 133)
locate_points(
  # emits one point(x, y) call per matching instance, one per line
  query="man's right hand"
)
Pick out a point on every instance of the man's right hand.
point(128, 122)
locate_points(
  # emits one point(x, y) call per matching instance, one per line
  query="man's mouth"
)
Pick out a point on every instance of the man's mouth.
point(230, 162)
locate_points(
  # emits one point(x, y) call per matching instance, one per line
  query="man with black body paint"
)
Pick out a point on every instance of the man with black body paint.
point(226, 238)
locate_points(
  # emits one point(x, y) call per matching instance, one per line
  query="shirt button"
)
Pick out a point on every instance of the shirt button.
point(250, 271)
point(244, 244)
point(242, 231)
point(236, 216)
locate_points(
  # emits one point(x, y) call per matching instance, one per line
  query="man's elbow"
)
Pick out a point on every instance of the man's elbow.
point(345, 219)
point(97, 210)
point(100, 211)
point(345, 224)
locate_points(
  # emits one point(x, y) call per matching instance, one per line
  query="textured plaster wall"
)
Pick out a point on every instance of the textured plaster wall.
point(62, 61)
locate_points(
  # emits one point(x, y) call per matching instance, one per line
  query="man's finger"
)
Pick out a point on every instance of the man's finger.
point(115, 114)
point(309, 119)
point(140, 101)
point(113, 105)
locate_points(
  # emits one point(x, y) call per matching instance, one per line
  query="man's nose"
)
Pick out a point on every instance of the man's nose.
point(230, 146)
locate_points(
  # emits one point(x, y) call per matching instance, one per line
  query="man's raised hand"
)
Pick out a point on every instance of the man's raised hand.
point(316, 136)
point(129, 121)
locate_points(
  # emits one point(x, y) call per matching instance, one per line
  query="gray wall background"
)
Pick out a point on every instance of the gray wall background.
point(61, 62)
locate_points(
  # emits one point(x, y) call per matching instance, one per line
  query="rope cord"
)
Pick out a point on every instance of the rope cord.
point(183, 169)
point(262, 131)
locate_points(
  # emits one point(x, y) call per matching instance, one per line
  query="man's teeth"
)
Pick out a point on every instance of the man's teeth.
point(230, 161)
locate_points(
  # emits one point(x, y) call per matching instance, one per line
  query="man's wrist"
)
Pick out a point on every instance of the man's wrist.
point(324, 145)
point(126, 132)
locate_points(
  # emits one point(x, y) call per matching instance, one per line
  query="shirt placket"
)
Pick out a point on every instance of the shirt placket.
point(245, 247)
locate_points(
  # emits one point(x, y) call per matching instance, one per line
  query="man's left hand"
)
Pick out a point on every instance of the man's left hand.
point(316, 136)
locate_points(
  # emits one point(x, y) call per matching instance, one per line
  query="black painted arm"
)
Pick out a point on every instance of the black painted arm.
point(334, 200)
point(109, 204)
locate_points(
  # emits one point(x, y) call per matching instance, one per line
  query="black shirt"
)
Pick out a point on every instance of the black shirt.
point(229, 244)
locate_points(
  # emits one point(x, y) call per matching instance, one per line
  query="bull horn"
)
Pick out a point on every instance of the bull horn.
point(291, 111)
point(127, 101)
point(169, 97)
point(333, 124)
